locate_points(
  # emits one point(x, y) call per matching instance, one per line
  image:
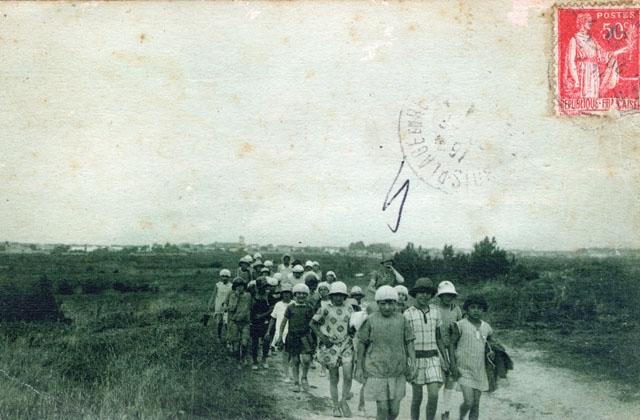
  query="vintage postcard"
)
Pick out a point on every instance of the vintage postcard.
point(319, 209)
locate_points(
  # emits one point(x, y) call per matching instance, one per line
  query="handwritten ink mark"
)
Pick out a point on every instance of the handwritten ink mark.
point(387, 202)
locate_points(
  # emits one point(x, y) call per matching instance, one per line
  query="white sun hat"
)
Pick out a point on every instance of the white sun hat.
point(225, 272)
point(331, 273)
point(338, 288)
point(324, 284)
point(446, 287)
point(286, 287)
point(268, 263)
point(316, 263)
point(257, 256)
point(278, 276)
point(298, 269)
point(356, 291)
point(386, 293)
point(272, 282)
point(301, 288)
point(309, 263)
point(402, 290)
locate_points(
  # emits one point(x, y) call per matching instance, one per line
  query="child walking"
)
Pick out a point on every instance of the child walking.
point(430, 351)
point(469, 337)
point(385, 356)
point(277, 317)
point(260, 314)
point(300, 343)
point(218, 300)
point(450, 313)
point(239, 310)
point(331, 325)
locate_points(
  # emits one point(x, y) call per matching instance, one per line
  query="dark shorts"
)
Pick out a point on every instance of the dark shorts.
point(297, 344)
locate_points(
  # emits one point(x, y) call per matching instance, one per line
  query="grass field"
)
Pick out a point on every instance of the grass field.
point(121, 335)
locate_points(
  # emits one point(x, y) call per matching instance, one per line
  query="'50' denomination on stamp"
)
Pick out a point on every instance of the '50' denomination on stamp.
point(596, 59)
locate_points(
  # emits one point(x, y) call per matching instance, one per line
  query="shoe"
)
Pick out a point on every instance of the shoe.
point(346, 411)
point(296, 388)
point(287, 380)
point(445, 415)
point(305, 385)
point(265, 365)
point(254, 366)
point(337, 412)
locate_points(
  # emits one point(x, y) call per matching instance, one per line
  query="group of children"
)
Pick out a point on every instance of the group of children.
point(382, 345)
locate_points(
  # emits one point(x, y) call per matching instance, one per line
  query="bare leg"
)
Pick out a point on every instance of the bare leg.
point(295, 366)
point(394, 408)
point(416, 401)
point(432, 399)
point(361, 402)
point(475, 408)
point(334, 378)
point(467, 394)
point(446, 394)
point(347, 371)
point(382, 410)
point(306, 361)
point(285, 364)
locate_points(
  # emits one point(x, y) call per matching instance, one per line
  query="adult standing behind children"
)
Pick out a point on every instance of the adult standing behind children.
point(450, 313)
point(295, 276)
point(285, 267)
point(221, 292)
point(387, 276)
point(430, 351)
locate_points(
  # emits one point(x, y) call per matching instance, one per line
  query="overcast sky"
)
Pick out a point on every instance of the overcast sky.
point(175, 122)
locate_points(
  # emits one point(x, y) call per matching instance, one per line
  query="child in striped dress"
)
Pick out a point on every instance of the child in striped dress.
point(431, 357)
point(469, 337)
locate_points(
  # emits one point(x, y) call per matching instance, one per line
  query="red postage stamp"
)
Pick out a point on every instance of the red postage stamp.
point(597, 66)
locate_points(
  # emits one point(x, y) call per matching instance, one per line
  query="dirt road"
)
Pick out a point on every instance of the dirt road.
point(532, 391)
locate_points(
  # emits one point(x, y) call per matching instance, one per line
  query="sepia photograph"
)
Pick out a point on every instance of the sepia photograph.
point(424, 210)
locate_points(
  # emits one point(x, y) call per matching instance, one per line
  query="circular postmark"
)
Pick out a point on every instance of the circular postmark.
point(440, 144)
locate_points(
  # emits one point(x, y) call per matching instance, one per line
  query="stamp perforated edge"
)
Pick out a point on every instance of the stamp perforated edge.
point(554, 47)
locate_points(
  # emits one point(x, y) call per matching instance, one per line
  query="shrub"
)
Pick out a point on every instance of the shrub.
point(28, 300)
point(94, 285)
point(64, 287)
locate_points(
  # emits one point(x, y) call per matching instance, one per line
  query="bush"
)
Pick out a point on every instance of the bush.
point(94, 285)
point(64, 287)
point(131, 286)
point(28, 300)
